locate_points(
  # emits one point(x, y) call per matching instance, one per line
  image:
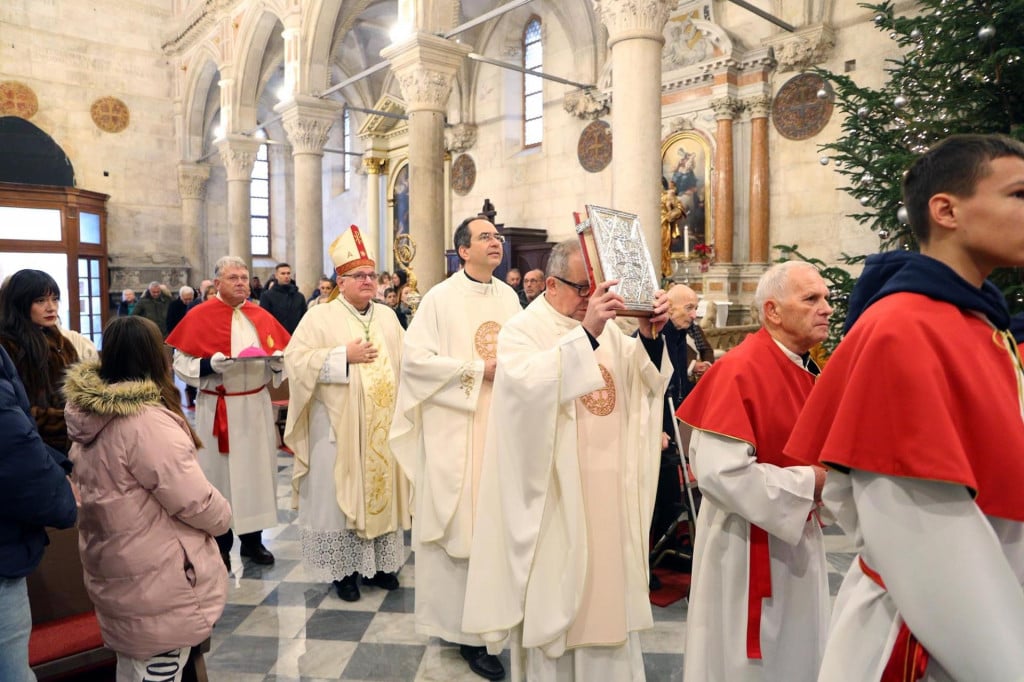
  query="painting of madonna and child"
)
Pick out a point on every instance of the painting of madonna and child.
point(685, 167)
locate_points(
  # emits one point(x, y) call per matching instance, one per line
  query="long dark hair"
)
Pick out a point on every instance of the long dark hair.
point(29, 343)
point(133, 350)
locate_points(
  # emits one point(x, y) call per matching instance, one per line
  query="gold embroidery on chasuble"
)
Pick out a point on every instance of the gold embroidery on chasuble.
point(601, 402)
point(486, 340)
point(377, 380)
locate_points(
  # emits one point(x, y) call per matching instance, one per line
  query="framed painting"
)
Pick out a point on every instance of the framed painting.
point(686, 168)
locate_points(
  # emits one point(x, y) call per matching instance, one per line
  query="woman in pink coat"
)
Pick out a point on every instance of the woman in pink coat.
point(148, 515)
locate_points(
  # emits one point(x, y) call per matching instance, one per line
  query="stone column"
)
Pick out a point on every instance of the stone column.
point(759, 177)
point(307, 121)
point(374, 167)
point(635, 40)
point(425, 66)
point(192, 179)
point(725, 109)
point(238, 153)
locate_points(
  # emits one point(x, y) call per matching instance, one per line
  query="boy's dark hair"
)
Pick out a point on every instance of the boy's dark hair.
point(953, 166)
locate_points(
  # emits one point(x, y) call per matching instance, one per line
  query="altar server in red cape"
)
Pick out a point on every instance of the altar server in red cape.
point(759, 598)
point(918, 414)
point(234, 416)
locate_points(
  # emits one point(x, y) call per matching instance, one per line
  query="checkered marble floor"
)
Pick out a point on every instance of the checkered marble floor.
point(279, 625)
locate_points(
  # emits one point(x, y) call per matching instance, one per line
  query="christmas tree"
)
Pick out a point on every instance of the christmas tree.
point(961, 70)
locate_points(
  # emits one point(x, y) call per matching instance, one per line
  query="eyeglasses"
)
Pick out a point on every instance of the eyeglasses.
point(362, 276)
point(488, 236)
point(582, 289)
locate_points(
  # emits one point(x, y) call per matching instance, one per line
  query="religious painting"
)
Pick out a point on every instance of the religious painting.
point(686, 196)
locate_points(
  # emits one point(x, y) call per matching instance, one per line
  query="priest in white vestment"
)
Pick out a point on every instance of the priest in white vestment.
point(560, 550)
point(343, 364)
point(234, 416)
point(444, 397)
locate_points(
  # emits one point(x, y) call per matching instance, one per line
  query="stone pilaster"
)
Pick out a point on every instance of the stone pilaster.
point(760, 177)
point(425, 67)
point(635, 38)
point(725, 110)
point(192, 179)
point(374, 167)
point(238, 154)
point(307, 122)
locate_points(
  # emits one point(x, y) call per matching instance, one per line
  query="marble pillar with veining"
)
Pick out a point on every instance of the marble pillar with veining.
point(759, 107)
point(725, 110)
point(238, 153)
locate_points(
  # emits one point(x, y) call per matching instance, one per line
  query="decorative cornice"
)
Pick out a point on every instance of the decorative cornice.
point(195, 25)
point(425, 67)
point(725, 108)
point(704, 73)
point(759, 106)
point(803, 48)
point(584, 105)
point(627, 19)
point(307, 121)
point(460, 137)
point(238, 153)
point(192, 179)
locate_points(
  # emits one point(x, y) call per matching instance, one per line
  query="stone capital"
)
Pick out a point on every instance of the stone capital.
point(802, 49)
point(307, 121)
point(759, 106)
point(374, 165)
point(425, 67)
point(460, 137)
point(627, 19)
point(238, 153)
point(192, 179)
point(725, 108)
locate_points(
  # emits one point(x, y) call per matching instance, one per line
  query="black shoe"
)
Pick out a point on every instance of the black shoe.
point(385, 581)
point(258, 554)
point(348, 587)
point(226, 558)
point(655, 583)
point(482, 663)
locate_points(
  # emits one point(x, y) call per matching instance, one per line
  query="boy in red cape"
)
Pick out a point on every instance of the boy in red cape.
point(918, 414)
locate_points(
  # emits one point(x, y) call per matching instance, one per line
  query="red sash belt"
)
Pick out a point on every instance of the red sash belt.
point(759, 587)
point(220, 415)
point(909, 660)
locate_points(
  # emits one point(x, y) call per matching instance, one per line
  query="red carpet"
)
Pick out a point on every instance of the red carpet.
point(674, 586)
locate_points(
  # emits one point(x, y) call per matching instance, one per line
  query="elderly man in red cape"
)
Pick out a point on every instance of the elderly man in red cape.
point(918, 414)
point(759, 598)
point(229, 349)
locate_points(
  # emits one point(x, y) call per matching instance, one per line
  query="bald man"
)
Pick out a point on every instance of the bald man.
point(533, 285)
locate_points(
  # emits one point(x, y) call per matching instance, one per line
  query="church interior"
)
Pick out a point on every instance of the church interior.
point(144, 139)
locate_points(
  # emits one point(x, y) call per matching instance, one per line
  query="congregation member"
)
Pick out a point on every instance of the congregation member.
point(284, 300)
point(127, 304)
point(343, 365)
point(560, 546)
point(34, 493)
point(438, 434)
point(153, 306)
point(759, 598)
point(533, 286)
point(233, 410)
point(324, 290)
point(148, 515)
point(179, 306)
point(918, 416)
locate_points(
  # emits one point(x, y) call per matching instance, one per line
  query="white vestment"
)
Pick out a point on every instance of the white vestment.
point(438, 435)
point(794, 621)
point(568, 486)
point(247, 475)
point(351, 496)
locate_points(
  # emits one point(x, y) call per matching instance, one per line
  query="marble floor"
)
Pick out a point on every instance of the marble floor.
point(279, 625)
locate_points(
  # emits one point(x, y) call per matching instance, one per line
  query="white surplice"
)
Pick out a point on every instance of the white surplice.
point(568, 485)
point(351, 496)
point(438, 433)
point(247, 475)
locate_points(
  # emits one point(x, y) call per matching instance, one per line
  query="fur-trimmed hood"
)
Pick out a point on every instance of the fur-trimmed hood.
point(92, 403)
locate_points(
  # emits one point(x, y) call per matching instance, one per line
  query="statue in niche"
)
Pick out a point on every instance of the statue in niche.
point(672, 212)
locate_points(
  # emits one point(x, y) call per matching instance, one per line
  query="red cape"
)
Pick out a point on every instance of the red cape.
point(754, 394)
point(921, 389)
point(206, 329)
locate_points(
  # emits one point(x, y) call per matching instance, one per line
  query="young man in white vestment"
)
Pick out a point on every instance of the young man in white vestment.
point(570, 471)
point(343, 364)
point(234, 416)
point(438, 433)
point(759, 598)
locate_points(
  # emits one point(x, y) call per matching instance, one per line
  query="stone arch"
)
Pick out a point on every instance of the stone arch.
point(255, 36)
point(201, 101)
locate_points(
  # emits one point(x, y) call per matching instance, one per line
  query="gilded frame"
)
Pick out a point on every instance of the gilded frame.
point(686, 160)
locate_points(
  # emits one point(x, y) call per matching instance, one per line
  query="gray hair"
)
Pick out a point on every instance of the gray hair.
point(558, 261)
point(152, 284)
point(225, 262)
point(181, 291)
point(772, 285)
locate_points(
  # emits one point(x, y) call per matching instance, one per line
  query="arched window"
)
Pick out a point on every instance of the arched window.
point(533, 86)
point(259, 204)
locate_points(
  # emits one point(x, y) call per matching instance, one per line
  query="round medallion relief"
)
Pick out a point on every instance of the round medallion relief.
point(594, 149)
point(798, 112)
point(463, 174)
point(17, 99)
point(110, 114)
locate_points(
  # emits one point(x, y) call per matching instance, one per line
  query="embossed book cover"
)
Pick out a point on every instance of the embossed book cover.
point(614, 248)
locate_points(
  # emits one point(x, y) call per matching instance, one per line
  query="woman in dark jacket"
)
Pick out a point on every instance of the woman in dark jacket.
point(29, 333)
point(34, 492)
